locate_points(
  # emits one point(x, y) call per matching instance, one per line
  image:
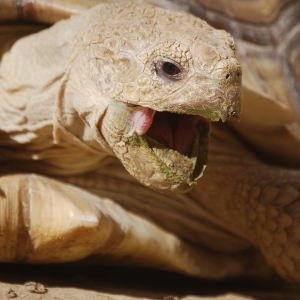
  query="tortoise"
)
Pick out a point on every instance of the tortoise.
point(129, 87)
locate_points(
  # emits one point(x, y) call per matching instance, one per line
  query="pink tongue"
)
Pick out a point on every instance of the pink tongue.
point(141, 119)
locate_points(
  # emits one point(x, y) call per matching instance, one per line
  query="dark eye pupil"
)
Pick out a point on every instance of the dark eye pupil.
point(170, 69)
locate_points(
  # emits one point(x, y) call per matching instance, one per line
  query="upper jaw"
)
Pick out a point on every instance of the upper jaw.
point(210, 100)
point(204, 95)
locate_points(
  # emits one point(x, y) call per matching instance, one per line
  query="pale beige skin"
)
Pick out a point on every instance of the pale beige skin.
point(109, 216)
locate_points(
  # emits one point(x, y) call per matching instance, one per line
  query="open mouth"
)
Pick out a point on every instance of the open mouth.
point(176, 131)
point(165, 151)
point(181, 142)
point(178, 141)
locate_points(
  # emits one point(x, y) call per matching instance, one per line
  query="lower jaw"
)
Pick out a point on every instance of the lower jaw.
point(164, 169)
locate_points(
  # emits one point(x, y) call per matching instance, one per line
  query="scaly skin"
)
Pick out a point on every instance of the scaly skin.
point(259, 202)
point(82, 104)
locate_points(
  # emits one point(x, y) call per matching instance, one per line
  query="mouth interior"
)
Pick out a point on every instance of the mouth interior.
point(175, 131)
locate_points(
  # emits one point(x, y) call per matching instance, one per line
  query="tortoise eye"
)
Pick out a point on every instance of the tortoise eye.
point(168, 70)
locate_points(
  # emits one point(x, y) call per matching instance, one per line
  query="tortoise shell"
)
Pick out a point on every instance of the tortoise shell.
point(267, 39)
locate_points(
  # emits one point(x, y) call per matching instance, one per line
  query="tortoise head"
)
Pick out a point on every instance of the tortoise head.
point(160, 77)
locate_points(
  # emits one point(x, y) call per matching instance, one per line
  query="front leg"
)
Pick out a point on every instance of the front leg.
point(257, 201)
point(47, 221)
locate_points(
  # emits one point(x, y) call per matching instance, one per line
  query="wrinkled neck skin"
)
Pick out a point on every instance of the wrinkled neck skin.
point(45, 114)
point(52, 114)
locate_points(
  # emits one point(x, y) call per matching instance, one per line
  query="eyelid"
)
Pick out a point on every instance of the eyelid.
point(166, 77)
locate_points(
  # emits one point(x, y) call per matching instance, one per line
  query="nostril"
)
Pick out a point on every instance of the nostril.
point(228, 75)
